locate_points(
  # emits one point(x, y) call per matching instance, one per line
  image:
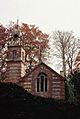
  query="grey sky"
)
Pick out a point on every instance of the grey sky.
point(49, 15)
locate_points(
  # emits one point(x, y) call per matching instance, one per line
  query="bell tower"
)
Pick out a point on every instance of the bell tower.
point(15, 58)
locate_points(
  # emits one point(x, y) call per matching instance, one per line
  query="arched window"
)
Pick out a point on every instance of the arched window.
point(42, 82)
point(14, 54)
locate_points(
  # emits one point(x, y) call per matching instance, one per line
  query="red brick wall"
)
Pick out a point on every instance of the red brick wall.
point(10, 52)
point(56, 88)
point(15, 67)
point(14, 71)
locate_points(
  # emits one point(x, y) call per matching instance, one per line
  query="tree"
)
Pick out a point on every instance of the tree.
point(64, 43)
point(3, 40)
point(34, 41)
point(71, 50)
point(71, 93)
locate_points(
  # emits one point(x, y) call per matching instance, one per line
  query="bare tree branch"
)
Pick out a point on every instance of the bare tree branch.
point(65, 45)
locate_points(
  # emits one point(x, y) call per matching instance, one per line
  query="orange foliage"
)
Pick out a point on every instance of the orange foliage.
point(34, 41)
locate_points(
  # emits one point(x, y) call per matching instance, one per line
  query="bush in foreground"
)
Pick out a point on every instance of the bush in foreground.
point(16, 103)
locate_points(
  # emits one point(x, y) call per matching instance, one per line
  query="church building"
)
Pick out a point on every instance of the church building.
point(41, 81)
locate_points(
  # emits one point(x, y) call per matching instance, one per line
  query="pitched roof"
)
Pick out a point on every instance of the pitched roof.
point(26, 75)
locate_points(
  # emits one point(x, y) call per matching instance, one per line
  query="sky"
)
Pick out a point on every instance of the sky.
point(48, 15)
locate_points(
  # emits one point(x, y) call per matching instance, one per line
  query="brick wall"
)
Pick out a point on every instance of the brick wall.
point(56, 88)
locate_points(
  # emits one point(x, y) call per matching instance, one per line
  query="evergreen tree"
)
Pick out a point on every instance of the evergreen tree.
point(71, 93)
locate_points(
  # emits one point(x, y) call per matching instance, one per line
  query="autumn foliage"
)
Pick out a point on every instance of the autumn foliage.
point(34, 41)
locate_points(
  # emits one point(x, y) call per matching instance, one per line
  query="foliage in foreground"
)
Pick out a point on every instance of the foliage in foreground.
point(16, 103)
point(73, 88)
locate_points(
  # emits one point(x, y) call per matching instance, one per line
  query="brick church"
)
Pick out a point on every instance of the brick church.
point(42, 80)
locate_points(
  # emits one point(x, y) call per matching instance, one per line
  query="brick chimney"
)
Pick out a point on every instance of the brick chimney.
point(62, 73)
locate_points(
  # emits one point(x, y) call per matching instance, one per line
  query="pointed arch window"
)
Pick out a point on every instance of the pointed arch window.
point(14, 54)
point(42, 84)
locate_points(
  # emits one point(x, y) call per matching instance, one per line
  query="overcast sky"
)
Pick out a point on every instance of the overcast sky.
point(49, 15)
